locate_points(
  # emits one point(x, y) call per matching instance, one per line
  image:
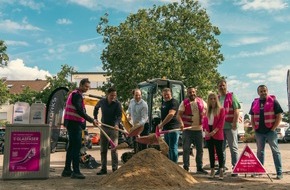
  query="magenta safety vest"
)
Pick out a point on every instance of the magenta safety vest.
point(269, 114)
point(70, 110)
point(187, 114)
point(228, 105)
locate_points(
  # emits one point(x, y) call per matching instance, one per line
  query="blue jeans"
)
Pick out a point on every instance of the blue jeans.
point(231, 136)
point(272, 139)
point(190, 137)
point(172, 141)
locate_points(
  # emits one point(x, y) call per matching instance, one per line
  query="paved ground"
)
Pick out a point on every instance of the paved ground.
point(57, 164)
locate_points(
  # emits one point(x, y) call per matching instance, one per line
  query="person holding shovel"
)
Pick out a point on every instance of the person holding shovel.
point(190, 114)
point(138, 112)
point(169, 109)
point(75, 118)
point(111, 115)
point(213, 124)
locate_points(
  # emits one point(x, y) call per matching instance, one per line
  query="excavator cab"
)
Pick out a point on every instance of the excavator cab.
point(152, 94)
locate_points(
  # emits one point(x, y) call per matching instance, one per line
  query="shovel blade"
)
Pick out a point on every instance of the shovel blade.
point(150, 139)
point(135, 131)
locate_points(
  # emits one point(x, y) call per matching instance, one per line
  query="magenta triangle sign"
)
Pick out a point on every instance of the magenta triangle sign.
point(248, 163)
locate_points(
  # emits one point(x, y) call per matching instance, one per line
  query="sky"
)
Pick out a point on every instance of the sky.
point(43, 35)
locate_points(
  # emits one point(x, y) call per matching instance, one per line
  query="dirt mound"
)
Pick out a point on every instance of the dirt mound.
point(149, 169)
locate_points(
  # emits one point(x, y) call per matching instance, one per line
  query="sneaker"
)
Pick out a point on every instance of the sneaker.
point(234, 175)
point(201, 171)
point(102, 172)
point(77, 176)
point(66, 173)
point(279, 176)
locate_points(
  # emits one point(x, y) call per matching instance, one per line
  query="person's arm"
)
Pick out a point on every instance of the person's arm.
point(167, 118)
point(179, 118)
point(236, 107)
point(144, 114)
point(179, 115)
point(118, 115)
point(277, 121)
point(77, 102)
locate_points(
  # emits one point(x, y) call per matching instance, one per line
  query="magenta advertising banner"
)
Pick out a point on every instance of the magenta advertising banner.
point(24, 152)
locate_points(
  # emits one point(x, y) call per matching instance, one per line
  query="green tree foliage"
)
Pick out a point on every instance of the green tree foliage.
point(3, 56)
point(286, 117)
point(27, 95)
point(4, 93)
point(176, 41)
point(60, 80)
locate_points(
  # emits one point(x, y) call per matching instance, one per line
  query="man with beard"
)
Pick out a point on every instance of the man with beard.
point(266, 114)
point(190, 114)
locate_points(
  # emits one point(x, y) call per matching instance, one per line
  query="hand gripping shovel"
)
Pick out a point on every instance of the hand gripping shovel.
point(113, 146)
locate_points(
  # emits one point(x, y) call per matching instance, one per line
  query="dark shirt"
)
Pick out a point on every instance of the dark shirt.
point(262, 127)
point(166, 106)
point(111, 113)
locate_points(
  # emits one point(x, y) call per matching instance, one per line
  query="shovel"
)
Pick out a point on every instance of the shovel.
point(113, 146)
point(111, 127)
point(153, 138)
point(136, 130)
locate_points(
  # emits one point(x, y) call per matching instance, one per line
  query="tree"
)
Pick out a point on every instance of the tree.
point(285, 117)
point(60, 80)
point(27, 95)
point(4, 93)
point(175, 40)
point(3, 56)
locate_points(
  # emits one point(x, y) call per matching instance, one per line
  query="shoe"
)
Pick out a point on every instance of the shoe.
point(77, 176)
point(186, 168)
point(102, 172)
point(218, 172)
point(66, 173)
point(279, 176)
point(234, 175)
point(221, 175)
point(212, 173)
point(201, 171)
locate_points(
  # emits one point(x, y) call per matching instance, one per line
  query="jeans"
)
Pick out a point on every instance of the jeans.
point(272, 139)
point(231, 137)
point(172, 141)
point(192, 137)
point(104, 143)
point(74, 147)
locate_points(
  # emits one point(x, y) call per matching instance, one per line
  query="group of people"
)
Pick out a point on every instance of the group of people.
point(214, 120)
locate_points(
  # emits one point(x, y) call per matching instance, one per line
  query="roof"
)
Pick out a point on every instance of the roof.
point(17, 86)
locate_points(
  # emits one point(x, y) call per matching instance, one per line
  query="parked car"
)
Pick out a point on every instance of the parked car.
point(95, 138)
point(287, 135)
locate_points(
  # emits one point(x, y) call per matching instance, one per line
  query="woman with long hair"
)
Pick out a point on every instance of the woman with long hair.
point(213, 123)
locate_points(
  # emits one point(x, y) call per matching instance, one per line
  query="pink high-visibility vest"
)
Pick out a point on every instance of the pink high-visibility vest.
point(70, 110)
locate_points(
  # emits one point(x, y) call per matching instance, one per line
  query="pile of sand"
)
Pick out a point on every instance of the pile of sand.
point(149, 169)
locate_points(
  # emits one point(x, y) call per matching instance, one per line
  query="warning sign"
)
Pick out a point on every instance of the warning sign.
point(248, 163)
